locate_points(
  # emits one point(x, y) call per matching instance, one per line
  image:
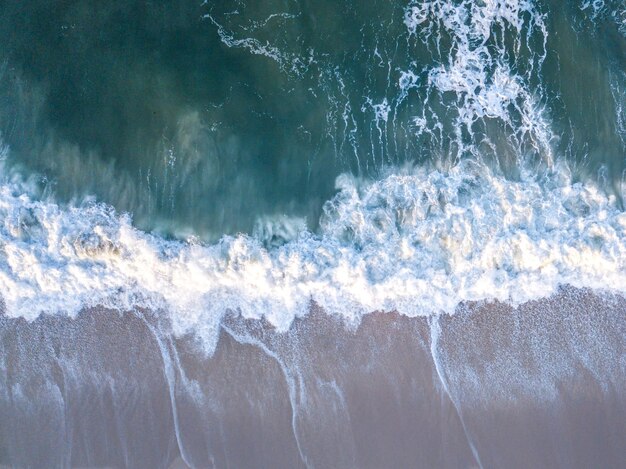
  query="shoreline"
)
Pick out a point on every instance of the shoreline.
point(539, 385)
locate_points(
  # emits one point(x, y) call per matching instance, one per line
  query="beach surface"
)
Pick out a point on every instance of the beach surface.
point(540, 385)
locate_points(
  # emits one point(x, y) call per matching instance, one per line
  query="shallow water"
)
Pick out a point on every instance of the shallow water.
point(490, 386)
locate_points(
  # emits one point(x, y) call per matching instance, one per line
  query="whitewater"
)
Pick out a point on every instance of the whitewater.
point(418, 242)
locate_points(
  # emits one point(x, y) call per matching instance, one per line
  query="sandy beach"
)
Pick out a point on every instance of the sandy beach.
point(541, 385)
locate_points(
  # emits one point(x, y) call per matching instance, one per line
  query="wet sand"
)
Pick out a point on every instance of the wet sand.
point(542, 385)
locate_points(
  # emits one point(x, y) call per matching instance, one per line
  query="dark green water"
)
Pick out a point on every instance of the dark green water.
point(199, 118)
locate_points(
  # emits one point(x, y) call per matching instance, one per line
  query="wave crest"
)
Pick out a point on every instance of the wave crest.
point(418, 241)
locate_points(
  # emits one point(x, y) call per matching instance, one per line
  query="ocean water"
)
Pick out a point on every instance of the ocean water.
point(203, 198)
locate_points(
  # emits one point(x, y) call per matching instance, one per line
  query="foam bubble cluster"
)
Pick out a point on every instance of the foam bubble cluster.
point(419, 241)
point(476, 64)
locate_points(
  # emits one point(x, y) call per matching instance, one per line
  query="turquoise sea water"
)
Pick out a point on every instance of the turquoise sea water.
point(206, 118)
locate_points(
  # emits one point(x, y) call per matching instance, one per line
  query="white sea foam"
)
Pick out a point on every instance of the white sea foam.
point(419, 241)
point(475, 64)
point(288, 62)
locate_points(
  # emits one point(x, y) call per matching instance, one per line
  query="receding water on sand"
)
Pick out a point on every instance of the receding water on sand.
point(541, 385)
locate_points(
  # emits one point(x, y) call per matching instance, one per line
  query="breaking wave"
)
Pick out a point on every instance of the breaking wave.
point(418, 241)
